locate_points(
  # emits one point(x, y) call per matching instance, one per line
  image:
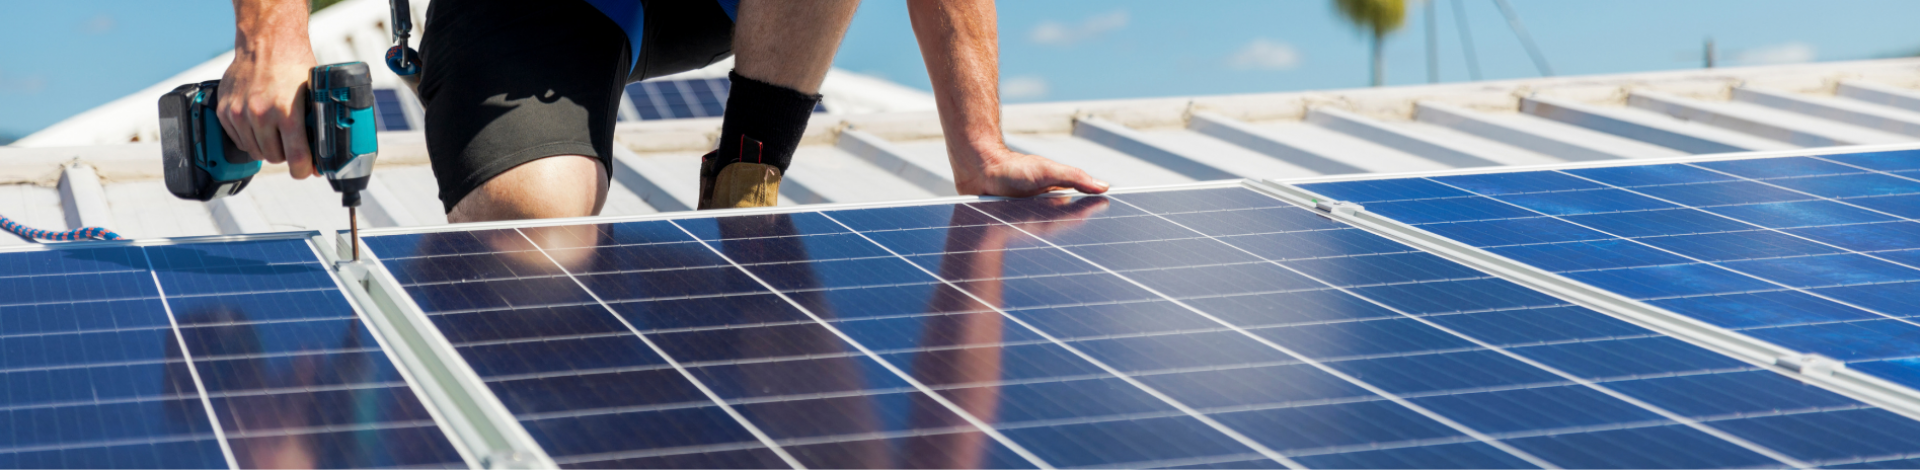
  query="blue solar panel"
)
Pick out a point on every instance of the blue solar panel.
point(1193, 328)
point(388, 113)
point(706, 96)
point(1811, 253)
point(681, 99)
point(644, 102)
point(93, 374)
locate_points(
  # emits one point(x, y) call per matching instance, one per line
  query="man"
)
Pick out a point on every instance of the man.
point(521, 95)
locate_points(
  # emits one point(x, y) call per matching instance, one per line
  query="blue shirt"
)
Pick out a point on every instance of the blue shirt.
point(631, 15)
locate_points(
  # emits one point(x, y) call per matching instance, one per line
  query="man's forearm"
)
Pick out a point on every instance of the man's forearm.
point(960, 41)
point(264, 28)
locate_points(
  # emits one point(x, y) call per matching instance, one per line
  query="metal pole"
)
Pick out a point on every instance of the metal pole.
point(1520, 30)
point(1379, 62)
point(1712, 55)
point(1433, 45)
point(1466, 39)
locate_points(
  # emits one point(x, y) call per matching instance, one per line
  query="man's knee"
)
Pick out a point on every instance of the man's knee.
point(557, 186)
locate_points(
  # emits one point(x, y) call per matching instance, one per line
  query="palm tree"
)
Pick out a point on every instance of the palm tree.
point(316, 5)
point(1378, 17)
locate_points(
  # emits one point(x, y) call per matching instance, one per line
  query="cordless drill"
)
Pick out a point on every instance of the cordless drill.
point(202, 163)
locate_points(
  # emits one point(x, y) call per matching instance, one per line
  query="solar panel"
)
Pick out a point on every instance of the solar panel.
point(276, 369)
point(388, 113)
point(681, 99)
point(1209, 327)
point(1816, 254)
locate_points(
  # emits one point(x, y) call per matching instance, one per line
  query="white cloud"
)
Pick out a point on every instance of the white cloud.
point(28, 85)
point(1264, 54)
point(1020, 88)
point(1786, 53)
point(101, 24)
point(1054, 33)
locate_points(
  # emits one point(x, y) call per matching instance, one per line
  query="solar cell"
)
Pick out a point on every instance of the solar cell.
point(1804, 252)
point(674, 96)
point(1212, 327)
point(709, 100)
point(276, 368)
point(388, 113)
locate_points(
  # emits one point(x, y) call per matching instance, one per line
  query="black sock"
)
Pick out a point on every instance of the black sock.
point(763, 124)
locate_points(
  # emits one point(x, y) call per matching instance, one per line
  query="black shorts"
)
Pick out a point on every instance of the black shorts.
point(507, 82)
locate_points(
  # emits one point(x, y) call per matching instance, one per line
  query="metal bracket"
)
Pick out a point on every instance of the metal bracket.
point(1334, 207)
point(1810, 364)
point(478, 422)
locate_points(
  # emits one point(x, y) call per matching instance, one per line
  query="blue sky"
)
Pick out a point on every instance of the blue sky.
point(63, 57)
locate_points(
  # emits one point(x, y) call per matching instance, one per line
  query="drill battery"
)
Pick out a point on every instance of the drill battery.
point(201, 162)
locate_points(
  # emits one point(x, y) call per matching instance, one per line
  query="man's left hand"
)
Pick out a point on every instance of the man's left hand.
point(1003, 172)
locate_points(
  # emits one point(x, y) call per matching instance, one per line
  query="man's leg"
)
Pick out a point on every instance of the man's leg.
point(520, 104)
point(782, 50)
point(790, 44)
point(557, 186)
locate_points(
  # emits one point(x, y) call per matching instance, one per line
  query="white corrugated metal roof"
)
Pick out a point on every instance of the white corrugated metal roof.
point(899, 155)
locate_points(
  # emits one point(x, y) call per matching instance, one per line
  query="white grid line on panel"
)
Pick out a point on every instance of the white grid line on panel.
point(1035, 307)
point(1649, 237)
point(814, 261)
point(1148, 372)
point(63, 274)
point(1298, 404)
point(116, 443)
point(1076, 339)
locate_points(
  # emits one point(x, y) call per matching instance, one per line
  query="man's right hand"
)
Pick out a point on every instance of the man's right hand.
point(263, 93)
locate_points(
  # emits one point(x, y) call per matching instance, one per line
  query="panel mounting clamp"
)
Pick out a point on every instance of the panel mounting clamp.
point(1335, 207)
point(1809, 364)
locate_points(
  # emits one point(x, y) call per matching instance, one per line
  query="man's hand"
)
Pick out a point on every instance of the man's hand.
point(1003, 172)
point(960, 41)
point(263, 93)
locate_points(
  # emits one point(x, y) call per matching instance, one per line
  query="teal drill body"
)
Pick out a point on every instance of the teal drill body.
point(203, 164)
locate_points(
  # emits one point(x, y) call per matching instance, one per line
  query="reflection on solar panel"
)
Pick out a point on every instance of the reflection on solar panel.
point(1198, 328)
point(277, 369)
point(1214, 326)
point(1816, 254)
point(388, 113)
point(680, 99)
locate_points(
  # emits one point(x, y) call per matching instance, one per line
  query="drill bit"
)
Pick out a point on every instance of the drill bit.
point(353, 230)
